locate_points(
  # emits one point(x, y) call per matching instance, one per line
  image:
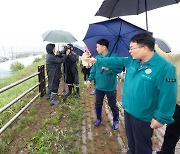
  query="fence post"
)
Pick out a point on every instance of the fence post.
point(42, 81)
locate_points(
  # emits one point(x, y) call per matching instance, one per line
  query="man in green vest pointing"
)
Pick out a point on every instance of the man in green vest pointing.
point(149, 91)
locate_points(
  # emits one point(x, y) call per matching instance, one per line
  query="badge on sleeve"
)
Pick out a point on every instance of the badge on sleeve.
point(170, 80)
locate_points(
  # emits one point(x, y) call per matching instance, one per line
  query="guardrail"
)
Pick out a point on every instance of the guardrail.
point(42, 90)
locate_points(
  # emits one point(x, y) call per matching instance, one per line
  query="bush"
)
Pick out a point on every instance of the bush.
point(16, 66)
point(37, 60)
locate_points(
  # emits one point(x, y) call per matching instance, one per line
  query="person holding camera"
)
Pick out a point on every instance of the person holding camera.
point(71, 71)
point(54, 59)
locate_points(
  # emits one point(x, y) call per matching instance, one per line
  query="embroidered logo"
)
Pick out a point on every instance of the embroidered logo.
point(148, 71)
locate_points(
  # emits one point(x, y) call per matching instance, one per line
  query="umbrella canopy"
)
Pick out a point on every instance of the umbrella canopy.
point(58, 36)
point(115, 8)
point(163, 45)
point(78, 50)
point(117, 31)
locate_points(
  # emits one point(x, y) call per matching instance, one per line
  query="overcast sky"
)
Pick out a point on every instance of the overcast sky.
point(24, 21)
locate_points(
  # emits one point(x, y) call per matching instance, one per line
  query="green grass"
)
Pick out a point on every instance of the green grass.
point(14, 92)
point(50, 138)
point(11, 94)
point(67, 139)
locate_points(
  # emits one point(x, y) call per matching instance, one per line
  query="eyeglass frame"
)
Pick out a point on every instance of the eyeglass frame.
point(136, 48)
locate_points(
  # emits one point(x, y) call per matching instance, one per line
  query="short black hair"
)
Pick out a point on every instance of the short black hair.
point(145, 39)
point(103, 42)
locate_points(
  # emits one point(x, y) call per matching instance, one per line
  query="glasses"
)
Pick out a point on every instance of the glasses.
point(136, 48)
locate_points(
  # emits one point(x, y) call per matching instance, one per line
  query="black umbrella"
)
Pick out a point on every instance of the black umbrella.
point(116, 8)
point(78, 49)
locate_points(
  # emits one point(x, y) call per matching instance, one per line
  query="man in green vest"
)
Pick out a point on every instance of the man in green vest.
point(149, 91)
point(106, 84)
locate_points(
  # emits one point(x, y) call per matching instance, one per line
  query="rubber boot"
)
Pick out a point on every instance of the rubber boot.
point(69, 90)
point(98, 115)
point(77, 92)
point(115, 125)
point(48, 95)
point(53, 99)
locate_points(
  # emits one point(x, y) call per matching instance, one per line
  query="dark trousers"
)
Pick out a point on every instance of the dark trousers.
point(172, 134)
point(139, 135)
point(111, 96)
point(53, 81)
point(86, 72)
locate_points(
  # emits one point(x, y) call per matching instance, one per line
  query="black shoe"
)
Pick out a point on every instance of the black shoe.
point(115, 125)
point(97, 123)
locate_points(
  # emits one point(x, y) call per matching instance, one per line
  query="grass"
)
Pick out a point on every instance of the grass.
point(53, 139)
point(14, 92)
point(11, 94)
point(50, 138)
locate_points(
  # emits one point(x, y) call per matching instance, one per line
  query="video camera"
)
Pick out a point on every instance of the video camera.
point(64, 49)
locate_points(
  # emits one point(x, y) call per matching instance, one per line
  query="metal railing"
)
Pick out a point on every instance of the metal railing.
point(42, 90)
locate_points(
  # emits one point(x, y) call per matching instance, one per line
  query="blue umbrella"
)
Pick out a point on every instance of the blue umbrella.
point(117, 31)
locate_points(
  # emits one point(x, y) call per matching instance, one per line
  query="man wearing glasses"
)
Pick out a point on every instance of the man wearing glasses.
point(149, 91)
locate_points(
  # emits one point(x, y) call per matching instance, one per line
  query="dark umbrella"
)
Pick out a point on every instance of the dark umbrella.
point(116, 8)
point(163, 45)
point(117, 31)
point(78, 50)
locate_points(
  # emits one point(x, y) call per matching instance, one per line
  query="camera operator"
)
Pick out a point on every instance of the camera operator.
point(71, 71)
point(54, 59)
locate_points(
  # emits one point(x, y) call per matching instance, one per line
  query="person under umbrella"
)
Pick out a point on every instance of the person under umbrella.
point(53, 68)
point(149, 91)
point(106, 84)
point(86, 67)
point(71, 71)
